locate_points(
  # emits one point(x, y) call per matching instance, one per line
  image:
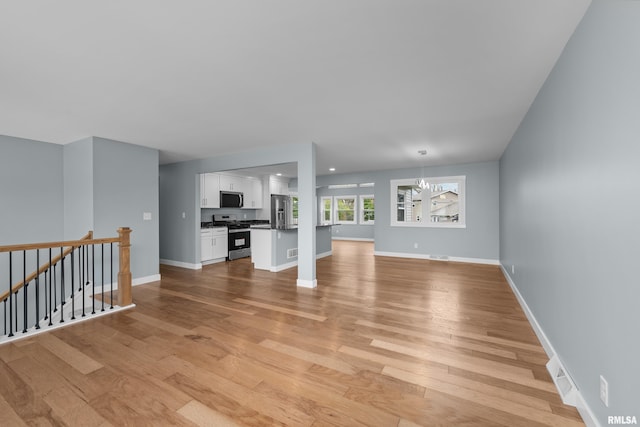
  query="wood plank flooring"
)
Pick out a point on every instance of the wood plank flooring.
point(380, 342)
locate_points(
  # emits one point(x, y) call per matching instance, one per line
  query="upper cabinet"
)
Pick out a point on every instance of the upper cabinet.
point(233, 183)
point(212, 183)
point(209, 190)
point(278, 185)
point(253, 194)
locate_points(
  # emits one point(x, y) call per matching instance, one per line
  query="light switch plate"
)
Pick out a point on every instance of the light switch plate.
point(146, 216)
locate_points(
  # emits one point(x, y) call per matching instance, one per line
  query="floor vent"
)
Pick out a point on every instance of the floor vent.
point(565, 385)
point(292, 253)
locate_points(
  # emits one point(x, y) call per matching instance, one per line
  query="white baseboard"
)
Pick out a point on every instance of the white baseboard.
point(307, 283)
point(357, 239)
point(437, 258)
point(181, 264)
point(277, 268)
point(581, 405)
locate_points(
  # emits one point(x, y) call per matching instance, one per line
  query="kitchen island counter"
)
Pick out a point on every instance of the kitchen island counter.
point(277, 250)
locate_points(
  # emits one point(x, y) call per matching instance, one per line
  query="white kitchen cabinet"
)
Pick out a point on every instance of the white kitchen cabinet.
point(278, 186)
point(253, 194)
point(209, 190)
point(206, 248)
point(232, 183)
point(214, 244)
point(220, 242)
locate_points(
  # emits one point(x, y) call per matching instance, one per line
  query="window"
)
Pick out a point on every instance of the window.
point(294, 208)
point(326, 210)
point(441, 204)
point(367, 209)
point(345, 209)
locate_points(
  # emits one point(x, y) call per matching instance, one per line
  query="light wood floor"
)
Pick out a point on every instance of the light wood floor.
point(380, 342)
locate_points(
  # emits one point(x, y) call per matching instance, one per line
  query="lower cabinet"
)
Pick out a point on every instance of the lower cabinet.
point(214, 243)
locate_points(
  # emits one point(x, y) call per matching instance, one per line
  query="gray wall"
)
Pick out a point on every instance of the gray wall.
point(53, 192)
point(569, 184)
point(78, 188)
point(478, 240)
point(31, 191)
point(31, 207)
point(125, 186)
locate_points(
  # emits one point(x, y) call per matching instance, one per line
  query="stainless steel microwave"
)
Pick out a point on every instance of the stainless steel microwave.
point(229, 199)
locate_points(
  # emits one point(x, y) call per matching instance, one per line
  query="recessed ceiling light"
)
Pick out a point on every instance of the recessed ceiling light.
point(278, 174)
point(332, 169)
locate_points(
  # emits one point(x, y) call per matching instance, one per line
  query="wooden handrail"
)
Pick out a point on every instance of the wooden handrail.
point(70, 246)
point(75, 243)
point(44, 267)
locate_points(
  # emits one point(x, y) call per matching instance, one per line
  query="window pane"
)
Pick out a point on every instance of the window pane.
point(345, 215)
point(444, 206)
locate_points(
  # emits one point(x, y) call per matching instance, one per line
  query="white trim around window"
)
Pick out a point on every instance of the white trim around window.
point(440, 205)
point(345, 215)
point(326, 215)
point(367, 216)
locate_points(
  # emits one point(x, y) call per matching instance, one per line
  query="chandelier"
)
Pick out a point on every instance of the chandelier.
point(421, 182)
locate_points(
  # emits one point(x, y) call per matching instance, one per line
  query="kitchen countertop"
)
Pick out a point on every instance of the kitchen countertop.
point(295, 227)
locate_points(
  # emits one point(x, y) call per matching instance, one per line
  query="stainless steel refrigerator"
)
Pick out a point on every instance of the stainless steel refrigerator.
point(281, 211)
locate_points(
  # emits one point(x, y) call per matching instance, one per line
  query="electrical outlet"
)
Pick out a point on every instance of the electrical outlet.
point(146, 216)
point(415, 245)
point(604, 391)
point(513, 269)
point(184, 215)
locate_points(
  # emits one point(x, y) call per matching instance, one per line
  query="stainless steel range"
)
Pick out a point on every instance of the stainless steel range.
point(239, 234)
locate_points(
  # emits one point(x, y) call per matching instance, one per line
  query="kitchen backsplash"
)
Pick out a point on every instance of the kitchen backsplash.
point(206, 215)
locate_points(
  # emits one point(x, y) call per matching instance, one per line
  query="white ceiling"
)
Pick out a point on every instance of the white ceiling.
point(369, 81)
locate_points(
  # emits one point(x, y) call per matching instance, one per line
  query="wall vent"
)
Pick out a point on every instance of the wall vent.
point(292, 253)
point(565, 385)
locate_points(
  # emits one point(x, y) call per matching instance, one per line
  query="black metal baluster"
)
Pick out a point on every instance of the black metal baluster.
point(10, 294)
point(4, 306)
point(38, 289)
point(55, 288)
point(93, 279)
point(73, 284)
point(80, 268)
point(84, 276)
point(112, 275)
point(25, 292)
point(61, 285)
point(15, 312)
point(46, 296)
point(102, 273)
point(50, 322)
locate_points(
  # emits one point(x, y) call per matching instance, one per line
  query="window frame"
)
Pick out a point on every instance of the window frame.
point(322, 210)
point(460, 180)
point(355, 209)
point(361, 218)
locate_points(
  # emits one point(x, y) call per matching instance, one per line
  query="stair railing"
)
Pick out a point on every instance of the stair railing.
point(56, 278)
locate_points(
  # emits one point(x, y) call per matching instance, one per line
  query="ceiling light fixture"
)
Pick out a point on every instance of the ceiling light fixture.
point(332, 169)
point(278, 174)
point(422, 182)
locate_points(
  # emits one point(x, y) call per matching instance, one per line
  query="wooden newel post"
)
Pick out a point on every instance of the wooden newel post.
point(124, 275)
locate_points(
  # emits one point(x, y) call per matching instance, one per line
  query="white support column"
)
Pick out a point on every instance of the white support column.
point(307, 217)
